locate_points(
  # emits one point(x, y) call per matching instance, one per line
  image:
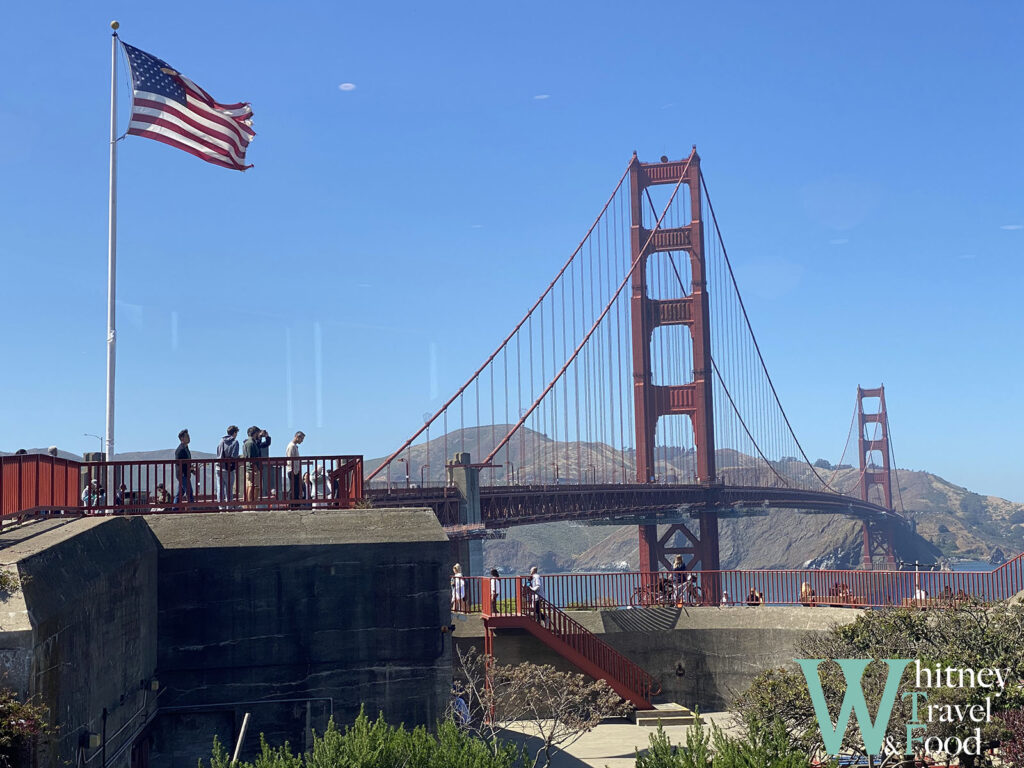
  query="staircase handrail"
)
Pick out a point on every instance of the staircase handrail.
point(581, 639)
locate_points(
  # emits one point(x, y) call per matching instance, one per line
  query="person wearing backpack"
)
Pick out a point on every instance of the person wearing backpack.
point(227, 470)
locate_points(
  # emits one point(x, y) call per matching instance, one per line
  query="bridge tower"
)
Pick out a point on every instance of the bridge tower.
point(692, 399)
point(874, 474)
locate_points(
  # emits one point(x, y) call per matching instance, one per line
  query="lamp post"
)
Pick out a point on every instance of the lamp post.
point(90, 434)
point(513, 475)
point(406, 462)
point(592, 469)
point(423, 467)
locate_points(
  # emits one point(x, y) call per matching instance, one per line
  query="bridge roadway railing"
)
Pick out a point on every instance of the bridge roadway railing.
point(840, 588)
point(33, 485)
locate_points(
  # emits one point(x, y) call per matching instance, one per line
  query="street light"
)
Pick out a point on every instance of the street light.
point(406, 462)
point(513, 466)
point(423, 467)
point(90, 434)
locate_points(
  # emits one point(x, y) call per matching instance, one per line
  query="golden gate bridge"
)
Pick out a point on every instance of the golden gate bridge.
point(634, 390)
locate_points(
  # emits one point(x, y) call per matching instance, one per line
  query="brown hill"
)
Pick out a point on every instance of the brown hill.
point(946, 520)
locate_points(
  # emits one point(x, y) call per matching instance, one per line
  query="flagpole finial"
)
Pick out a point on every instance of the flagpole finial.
point(115, 25)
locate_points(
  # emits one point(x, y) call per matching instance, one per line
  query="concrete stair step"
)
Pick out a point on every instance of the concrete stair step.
point(666, 714)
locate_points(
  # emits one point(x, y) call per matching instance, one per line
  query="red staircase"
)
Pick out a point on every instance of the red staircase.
point(573, 642)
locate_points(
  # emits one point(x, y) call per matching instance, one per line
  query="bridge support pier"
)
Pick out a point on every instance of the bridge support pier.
point(692, 312)
point(700, 554)
point(878, 542)
point(875, 473)
point(469, 553)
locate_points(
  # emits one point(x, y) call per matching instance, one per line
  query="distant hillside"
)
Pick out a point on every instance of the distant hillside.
point(946, 520)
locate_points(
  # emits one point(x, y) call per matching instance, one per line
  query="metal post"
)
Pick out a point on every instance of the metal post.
point(241, 738)
point(112, 245)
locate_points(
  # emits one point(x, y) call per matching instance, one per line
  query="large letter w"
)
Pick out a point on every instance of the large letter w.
point(873, 733)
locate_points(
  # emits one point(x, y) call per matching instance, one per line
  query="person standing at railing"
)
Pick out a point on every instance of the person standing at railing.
point(495, 586)
point(227, 469)
point(537, 590)
point(678, 577)
point(255, 447)
point(184, 455)
point(91, 494)
point(458, 589)
point(295, 467)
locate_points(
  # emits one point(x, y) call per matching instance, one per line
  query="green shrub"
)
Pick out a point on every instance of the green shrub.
point(377, 744)
point(762, 745)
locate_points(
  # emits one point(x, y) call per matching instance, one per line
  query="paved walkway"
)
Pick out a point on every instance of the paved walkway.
point(613, 744)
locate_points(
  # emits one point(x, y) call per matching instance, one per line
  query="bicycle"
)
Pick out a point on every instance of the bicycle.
point(689, 592)
point(652, 594)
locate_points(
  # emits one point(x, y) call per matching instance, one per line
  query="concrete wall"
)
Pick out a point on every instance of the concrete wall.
point(81, 634)
point(292, 615)
point(720, 650)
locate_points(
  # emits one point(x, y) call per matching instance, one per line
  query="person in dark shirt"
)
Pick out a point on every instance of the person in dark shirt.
point(183, 455)
point(678, 579)
point(257, 446)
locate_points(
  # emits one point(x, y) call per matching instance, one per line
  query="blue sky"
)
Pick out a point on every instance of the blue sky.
point(864, 160)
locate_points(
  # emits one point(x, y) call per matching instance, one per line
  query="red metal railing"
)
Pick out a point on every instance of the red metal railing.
point(34, 484)
point(37, 482)
point(856, 588)
point(631, 680)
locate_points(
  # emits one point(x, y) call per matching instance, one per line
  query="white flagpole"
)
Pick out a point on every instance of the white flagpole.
point(112, 246)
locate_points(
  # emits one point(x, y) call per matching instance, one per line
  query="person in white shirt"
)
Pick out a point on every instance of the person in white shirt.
point(458, 589)
point(495, 588)
point(295, 467)
point(537, 588)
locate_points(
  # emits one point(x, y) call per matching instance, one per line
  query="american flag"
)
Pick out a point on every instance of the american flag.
point(169, 107)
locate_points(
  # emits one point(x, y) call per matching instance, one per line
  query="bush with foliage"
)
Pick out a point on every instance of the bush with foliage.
point(20, 723)
point(960, 636)
point(762, 745)
point(378, 744)
point(1011, 750)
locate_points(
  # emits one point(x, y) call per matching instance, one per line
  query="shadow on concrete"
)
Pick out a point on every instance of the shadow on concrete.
point(559, 758)
point(658, 618)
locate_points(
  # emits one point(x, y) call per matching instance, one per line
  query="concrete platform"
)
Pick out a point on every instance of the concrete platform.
point(613, 744)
